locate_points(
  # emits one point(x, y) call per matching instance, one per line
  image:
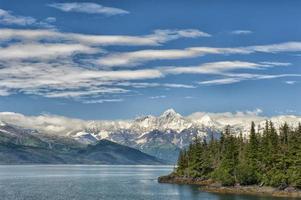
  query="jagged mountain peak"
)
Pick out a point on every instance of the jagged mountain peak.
point(170, 113)
point(143, 118)
point(2, 123)
point(206, 120)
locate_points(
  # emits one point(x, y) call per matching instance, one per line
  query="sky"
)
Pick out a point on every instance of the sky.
point(119, 59)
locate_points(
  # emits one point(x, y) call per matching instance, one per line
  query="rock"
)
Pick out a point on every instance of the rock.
point(282, 186)
point(290, 189)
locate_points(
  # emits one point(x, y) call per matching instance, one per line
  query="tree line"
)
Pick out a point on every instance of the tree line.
point(271, 157)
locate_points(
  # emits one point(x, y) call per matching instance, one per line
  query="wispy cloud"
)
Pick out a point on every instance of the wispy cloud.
point(90, 8)
point(229, 118)
point(222, 81)
point(276, 48)
point(42, 51)
point(227, 71)
point(152, 84)
point(235, 78)
point(158, 37)
point(102, 101)
point(214, 67)
point(8, 18)
point(81, 93)
point(41, 62)
point(142, 56)
point(158, 97)
point(65, 80)
point(241, 32)
point(46, 63)
point(291, 82)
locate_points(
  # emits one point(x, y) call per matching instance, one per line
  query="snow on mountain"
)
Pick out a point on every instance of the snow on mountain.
point(150, 134)
point(84, 137)
point(2, 123)
point(169, 120)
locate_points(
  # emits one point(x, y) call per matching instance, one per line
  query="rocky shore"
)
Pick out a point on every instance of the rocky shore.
point(214, 187)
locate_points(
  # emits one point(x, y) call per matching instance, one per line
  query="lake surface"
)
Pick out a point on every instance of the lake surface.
point(97, 182)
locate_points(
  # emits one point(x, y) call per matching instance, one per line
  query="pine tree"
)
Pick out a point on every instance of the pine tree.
point(273, 158)
point(182, 163)
point(248, 167)
point(227, 171)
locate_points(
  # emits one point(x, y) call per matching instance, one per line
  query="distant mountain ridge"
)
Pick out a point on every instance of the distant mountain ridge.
point(22, 146)
point(161, 136)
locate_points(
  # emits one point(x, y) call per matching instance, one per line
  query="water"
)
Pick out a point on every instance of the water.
point(82, 182)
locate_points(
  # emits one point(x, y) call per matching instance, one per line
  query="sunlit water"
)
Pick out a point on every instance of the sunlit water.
point(86, 182)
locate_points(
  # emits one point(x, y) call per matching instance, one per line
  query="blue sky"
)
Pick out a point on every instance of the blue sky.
point(120, 59)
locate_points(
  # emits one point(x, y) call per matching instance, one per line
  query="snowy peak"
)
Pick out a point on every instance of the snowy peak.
point(84, 137)
point(170, 113)
point(169, 119)
point(172, 120)
point(144, 122)
point(160, 136)
point(206, 121)
point(2, 123)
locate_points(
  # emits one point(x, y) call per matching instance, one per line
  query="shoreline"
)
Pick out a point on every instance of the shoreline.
point(213, 187)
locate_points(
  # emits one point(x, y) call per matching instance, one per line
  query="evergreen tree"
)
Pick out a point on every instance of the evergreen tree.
point(271, 158)
point(248, 167)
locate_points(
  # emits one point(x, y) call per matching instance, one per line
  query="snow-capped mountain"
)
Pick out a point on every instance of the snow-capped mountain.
point(161, 136)
point(84, 137)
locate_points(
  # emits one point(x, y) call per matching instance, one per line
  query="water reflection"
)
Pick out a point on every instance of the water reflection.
point(96, 182)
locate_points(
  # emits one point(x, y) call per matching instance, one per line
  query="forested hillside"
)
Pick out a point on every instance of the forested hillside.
point(270, 158)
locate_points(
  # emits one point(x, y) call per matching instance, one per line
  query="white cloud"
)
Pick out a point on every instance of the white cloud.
point(227, 71)
point(81, 93)
point(291, 82)
point(235, 78)
point(42, 51)
point(90, 8)
point(44, 62)
point(50, 19)
point(142, 56)
point(6, 17)
point(185, 33)
point(65, 79)
point(157, 38)
point(276, 63)
point(241, 32)
point(147, 85)
point(174, 85)
point(158, 97)
point(229, 118)
point(51, 124)
point(276, 48)
point(102, 101)
point(222, 81)
point(214, 67)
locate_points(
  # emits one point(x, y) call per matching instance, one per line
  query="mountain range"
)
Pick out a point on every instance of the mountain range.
point(25, 146)
point(159, 136)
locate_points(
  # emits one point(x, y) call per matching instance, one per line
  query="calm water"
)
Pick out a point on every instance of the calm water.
point(79, 182)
